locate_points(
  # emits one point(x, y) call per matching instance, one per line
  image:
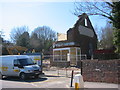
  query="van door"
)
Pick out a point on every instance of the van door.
point(6, 66)
point(15, 70)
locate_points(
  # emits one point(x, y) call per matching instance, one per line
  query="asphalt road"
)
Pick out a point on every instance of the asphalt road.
point(51, 80)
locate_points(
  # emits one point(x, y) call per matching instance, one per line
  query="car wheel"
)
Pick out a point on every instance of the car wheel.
point(22, 76)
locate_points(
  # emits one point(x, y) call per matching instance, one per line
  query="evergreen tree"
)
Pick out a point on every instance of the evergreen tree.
point(23, 40)
point(116, 24)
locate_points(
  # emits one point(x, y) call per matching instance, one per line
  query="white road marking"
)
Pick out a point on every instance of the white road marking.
point(34, 85)
point(67, 86)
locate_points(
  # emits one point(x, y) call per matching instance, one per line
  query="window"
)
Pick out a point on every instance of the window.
point(85, 22)
point(16, 63)
point(26, 61)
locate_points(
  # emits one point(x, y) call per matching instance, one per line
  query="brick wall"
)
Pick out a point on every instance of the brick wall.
point(101, 71)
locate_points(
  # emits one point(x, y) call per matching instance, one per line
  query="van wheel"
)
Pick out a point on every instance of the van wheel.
point(1, 76)
point(22, 76)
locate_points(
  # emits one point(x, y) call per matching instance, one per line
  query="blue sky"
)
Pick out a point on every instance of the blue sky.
point(57, 15)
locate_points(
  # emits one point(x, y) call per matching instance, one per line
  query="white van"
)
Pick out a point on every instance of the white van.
point(18, 65)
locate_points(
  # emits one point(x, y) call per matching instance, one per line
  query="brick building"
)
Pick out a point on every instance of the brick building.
point(81, 40)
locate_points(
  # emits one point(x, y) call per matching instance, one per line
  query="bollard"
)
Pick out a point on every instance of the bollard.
point(71, 78)
point(81, 67)
point(78, 79)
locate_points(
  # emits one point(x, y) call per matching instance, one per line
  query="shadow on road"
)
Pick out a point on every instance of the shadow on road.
point(52, 76)
point(29, 80)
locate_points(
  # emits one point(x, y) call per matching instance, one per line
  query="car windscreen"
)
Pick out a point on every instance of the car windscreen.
point(26, 61)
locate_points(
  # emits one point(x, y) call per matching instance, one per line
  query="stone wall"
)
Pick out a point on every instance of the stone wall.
point(101, 71)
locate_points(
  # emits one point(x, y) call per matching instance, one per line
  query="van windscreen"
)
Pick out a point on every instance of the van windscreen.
point(26, 61)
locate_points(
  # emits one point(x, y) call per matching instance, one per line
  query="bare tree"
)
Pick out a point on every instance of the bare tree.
point(1, 37)
point(45, 32)
point(46, 37)
point(106, 41)
point(34, 42)
point(17, 32)
point(94, 8)
point(98, 32)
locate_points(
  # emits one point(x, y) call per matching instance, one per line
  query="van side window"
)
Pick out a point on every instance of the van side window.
point(16, 63)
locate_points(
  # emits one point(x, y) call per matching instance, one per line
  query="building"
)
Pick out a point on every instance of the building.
point(81, 41)
point(62, 36)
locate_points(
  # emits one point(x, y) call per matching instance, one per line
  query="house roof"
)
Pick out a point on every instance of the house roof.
point(85, 30)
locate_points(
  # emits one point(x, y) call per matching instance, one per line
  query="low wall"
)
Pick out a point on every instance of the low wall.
point(101, 71)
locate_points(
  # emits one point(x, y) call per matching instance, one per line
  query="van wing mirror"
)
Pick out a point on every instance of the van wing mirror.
point(20, 66)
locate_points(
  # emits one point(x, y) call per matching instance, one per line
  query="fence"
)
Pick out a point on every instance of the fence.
point(64, 60)
point(59, 65)
point(68, 57)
